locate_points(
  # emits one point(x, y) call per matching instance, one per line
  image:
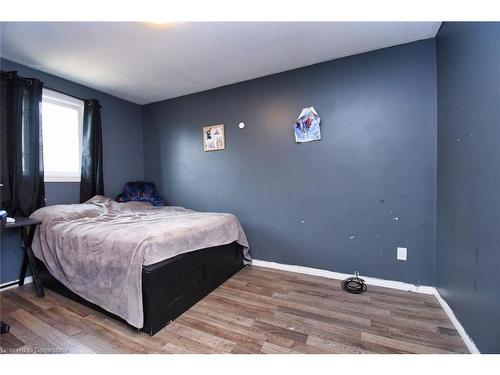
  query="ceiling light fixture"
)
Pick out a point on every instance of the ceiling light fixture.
point(160, 22)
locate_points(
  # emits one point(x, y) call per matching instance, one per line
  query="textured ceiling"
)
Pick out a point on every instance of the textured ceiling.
point(144, 62)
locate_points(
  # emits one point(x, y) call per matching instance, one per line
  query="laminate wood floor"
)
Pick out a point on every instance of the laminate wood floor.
point(258, 310)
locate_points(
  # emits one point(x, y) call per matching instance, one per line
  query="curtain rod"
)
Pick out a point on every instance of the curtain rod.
point(11, 74)
point(64, 93)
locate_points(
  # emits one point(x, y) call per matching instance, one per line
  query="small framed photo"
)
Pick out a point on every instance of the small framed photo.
point(213, 138)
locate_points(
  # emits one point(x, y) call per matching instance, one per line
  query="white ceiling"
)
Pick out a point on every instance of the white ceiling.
point(144, 62)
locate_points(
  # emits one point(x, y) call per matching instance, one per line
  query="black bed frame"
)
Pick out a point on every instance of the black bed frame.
point(172, 286)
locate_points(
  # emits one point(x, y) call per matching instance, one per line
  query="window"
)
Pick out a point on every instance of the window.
point(62, 130)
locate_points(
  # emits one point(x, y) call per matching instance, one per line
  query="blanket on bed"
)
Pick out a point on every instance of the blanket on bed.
point(97, 249)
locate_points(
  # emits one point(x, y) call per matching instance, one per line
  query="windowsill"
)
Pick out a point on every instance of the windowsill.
point(61, 179)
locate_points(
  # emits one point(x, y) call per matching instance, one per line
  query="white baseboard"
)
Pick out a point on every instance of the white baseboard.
point(14, 283)
point(378, 282)
point(458, 326)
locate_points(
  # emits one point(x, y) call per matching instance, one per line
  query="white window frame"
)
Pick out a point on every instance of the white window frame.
point(61, 99)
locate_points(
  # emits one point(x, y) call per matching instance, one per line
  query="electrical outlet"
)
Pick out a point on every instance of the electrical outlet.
point(401, 255)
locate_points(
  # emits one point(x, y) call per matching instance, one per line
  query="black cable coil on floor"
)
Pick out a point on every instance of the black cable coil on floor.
point(354, 285)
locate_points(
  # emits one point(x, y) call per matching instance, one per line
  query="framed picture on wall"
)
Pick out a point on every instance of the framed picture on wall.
point(213, 138)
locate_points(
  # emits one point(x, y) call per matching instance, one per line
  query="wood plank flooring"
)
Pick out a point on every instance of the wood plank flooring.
point(259, 310)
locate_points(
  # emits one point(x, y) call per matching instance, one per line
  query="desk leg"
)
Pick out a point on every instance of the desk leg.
point(27, 241)
point(24, 268)
point(4, 327)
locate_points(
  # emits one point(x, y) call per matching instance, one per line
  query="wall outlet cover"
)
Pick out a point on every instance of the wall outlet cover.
point(402, 251)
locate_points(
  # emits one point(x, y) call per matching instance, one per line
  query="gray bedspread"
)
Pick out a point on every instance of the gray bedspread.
point(97, 249)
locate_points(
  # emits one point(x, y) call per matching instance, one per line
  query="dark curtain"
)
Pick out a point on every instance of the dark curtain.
point(92, 182)
point(21, 156)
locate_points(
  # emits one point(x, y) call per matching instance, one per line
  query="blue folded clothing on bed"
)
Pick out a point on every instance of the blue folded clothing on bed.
point(140, 191)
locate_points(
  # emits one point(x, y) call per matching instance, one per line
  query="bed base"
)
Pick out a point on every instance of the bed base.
point(172, 286)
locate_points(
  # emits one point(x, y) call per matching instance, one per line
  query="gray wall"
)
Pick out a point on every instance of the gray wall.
point(468, 189)
point(123, 154)
point(372, 177)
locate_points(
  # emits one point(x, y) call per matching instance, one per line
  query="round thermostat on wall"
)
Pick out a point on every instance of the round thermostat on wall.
point(241, 125)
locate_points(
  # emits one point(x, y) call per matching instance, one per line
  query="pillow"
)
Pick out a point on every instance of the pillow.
point(140, 191)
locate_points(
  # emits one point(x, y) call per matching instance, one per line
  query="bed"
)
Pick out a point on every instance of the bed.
point(142, 264)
